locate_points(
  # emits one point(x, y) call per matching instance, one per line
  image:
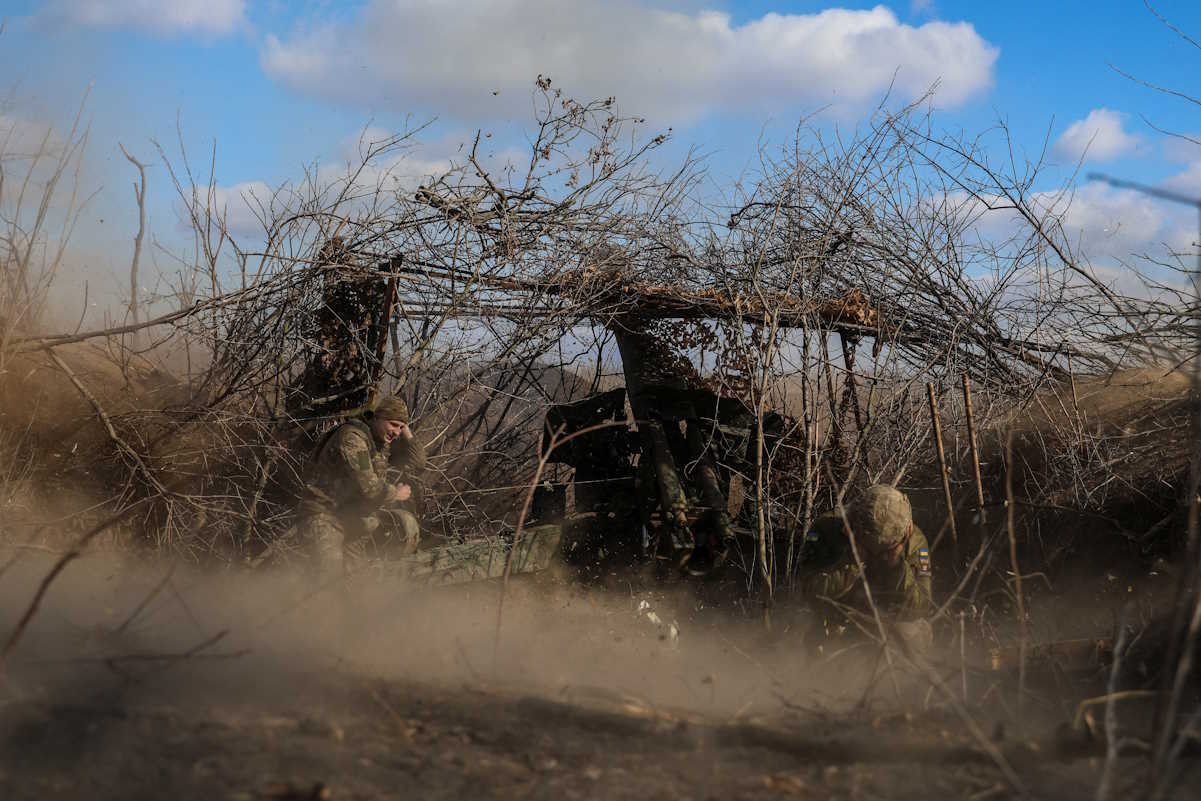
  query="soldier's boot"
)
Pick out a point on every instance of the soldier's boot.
point(674, 548)
point(410, 530)
point(718, 542)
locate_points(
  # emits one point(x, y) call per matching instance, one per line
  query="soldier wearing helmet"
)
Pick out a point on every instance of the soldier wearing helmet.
point(347, 484)
point(894, 552)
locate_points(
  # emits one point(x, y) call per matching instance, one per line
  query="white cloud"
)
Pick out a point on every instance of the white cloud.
point(479, 58)
point(241, 205)
point(246, 205)
point(1098, 137)
point(1110, 231)
point(1187, 182)
point(160, 17)
point(1107, 229)
point(406, 165)
point(1182, 149)
point(1112, 225)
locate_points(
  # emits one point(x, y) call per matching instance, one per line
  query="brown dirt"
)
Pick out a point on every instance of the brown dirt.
point(367, 739)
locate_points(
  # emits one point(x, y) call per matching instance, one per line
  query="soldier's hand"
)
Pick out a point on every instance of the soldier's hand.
point(405, 431)
point(403, 491)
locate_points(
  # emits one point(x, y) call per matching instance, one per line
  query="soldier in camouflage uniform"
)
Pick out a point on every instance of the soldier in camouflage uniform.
point(347, 485)
point(896, 562)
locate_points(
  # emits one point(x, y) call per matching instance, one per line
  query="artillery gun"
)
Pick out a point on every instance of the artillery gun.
point(664, 492)
point(665, 488)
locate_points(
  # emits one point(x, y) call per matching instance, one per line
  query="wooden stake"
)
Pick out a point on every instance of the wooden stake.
point(1075, 399)
point(383, 325)
point(1017, 572)
point(971, 432)
point(850, 388)
point(936, 433)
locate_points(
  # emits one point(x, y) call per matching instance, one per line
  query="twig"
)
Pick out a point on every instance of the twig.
point(139, 193)
point(188, 654)
point(191, 653)
point(1111, 715)
point(146, 601)
point(108, 424)
point(971, 568)
point(164, 662)
point(45, 343)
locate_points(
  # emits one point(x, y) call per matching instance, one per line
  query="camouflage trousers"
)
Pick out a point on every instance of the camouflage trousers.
point(330, 542)
point(322, 537)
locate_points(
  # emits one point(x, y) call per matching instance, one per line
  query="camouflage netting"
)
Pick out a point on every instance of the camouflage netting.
point(348, 337)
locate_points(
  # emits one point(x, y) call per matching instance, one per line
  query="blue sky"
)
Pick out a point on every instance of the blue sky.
point(278, 84)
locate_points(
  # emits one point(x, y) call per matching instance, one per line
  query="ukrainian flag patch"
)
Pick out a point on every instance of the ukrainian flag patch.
point(923, 561)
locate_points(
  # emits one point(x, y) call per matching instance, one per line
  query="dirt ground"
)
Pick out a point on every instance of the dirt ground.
point(137, 682)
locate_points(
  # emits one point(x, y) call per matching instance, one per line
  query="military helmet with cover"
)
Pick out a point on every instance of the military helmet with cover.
point(880, 518)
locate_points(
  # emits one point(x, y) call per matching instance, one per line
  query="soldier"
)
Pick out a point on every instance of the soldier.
point(896, 562)
point(347, 485)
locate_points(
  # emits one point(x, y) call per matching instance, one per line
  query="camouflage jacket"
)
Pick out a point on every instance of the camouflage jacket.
point(829, 571)
point(348, 474)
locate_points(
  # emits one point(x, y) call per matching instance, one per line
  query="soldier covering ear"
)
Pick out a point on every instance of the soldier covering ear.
point(347, 482)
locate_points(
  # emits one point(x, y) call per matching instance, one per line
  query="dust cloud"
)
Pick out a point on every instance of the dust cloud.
point(135, 677)
point(166, 632)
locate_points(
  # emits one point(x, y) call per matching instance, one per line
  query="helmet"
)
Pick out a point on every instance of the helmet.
point(880, 518)
point(392, 407)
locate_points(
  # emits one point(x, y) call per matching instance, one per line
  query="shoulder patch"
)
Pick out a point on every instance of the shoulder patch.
point(923, 561)
point(355, 448)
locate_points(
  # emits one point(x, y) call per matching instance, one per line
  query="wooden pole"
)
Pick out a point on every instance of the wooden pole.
point(1017, 572)
point(936, 433)
point(971, 432)
point(383, 325)
point(1075, 399)
point(850, 388)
